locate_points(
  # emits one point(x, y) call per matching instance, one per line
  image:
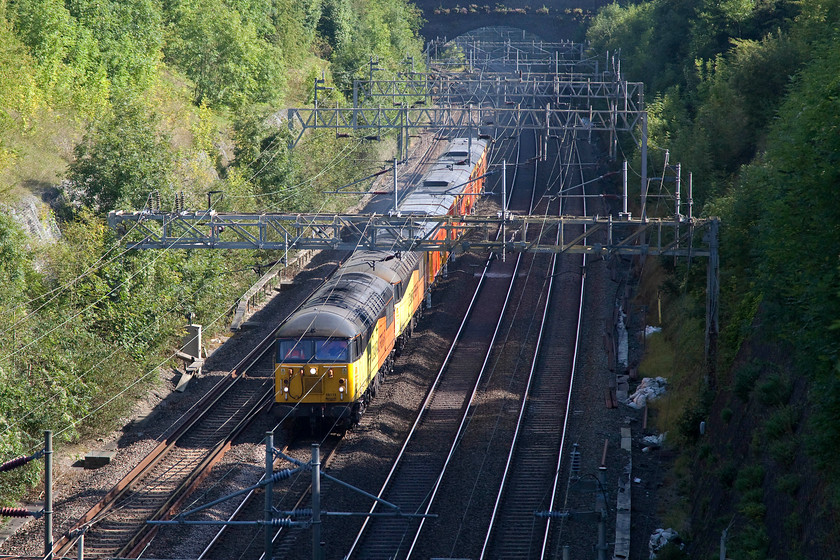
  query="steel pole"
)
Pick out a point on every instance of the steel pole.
point(316, 503)
point(48, 495)
point(624, 186)
point(644, 165)
point(396, 194)
point(269, 492)
point(504, 208)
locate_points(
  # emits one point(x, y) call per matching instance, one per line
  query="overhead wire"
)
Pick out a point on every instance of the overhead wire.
point(91, 305)
point(154, 369)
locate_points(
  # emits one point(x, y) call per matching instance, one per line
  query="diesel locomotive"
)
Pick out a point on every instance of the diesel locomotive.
point(333, 353)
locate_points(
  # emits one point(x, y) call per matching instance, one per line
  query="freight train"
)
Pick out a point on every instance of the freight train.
point(333, 353)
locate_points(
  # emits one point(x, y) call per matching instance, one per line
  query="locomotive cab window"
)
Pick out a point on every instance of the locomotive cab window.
point(295, 350)
point(331, 350)
point(309, 350)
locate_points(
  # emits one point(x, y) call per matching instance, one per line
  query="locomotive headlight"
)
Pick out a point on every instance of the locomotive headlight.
point(301, 371)
point(312, 371)
point(330, 372)
point(341, 392)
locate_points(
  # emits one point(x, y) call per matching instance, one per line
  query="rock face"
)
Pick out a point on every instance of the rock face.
point(35, 217)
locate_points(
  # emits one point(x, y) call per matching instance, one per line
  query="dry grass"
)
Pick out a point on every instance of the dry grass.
point(42, 149)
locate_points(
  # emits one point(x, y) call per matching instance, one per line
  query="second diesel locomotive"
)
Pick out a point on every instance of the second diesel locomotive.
point(334, 351)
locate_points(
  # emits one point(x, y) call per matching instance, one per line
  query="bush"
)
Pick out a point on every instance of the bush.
point(727, 474)
point(775, 391)
point(749, 477)
point(745, 378)
point(123, 158)
point(788, 483)
point(783, 421)
point(750, 543)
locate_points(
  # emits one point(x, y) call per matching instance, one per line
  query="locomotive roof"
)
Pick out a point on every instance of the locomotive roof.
point(346, 306)
point(385, 264)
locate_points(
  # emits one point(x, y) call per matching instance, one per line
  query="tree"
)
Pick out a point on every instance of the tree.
point(223, 54)
point(122, 159)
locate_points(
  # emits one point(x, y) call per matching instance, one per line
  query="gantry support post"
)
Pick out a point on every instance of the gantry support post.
point(269, 493)
point(712, 295)
point(48, 495)
point(316, 502)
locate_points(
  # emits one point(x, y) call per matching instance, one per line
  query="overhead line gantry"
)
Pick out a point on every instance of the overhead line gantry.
point(576, 96)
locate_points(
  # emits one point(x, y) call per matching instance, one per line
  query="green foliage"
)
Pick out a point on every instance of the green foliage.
point(223, 54)
point(783, 451)
point(14, 263)
point(18, 89)
point(776, 390)
point(122, 159)
point(727, 474)
point(783, 421)
point(263, 158)
point(386, 30)
point(750, 477)
point(689, 424)
point(750, 543)
point(788, 483)
point(68, 62)
point(129, 36)
point(81, 42)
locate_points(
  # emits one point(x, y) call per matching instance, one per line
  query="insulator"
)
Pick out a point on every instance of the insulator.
point(284, 474)
point(281, 523)
point(16, 512)
point(15, 463)
point(304, 512)
point(575, 469)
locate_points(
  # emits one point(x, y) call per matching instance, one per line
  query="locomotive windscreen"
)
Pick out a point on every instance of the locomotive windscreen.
point(309, 350)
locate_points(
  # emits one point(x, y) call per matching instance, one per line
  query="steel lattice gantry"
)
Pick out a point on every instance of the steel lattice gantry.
point(503, 119)
point(210, 229)
point(502, 90)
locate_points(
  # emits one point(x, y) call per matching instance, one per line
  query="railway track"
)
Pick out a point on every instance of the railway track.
point(446, 409)
point(248, 540)
point(475, 466)
point(532, 469)
point(158, 486)
point(116, 526)
point(421, 463)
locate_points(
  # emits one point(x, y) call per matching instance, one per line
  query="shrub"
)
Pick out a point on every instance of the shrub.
point(727, 474)
point(783, 421)
point(775, 391)
point(745, 378)
point(788, 483)
point(122, 159)
point(749, 477)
